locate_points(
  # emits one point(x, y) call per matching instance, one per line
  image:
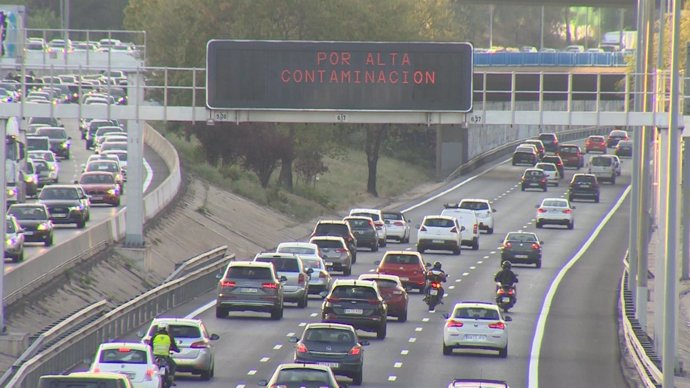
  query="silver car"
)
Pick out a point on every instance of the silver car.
point(290, 266)
point(197, 351)
point(335, 253)
point(319, 280)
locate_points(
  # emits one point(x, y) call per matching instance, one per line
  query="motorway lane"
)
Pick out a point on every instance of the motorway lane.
point(70, 170)
point(251, 346)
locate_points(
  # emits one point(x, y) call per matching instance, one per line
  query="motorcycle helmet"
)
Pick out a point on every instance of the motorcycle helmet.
point(506, 265)
point(162, 327)
point(437, 266)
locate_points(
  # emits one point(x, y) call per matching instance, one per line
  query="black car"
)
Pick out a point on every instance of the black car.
point(521, 247)
point(584, 186)
point(35, 220)
point(550, 141)
point(337, 228)
point(67, 204)
point(555, 159)
point(365, 232)
point(534, 178)
point(89, 133)
point(333, 345)
point(357, 303)
point(526, 154)
point(60, 143)
point(615, 136)
point(624, 148)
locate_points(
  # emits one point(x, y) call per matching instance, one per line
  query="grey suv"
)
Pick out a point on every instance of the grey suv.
point(296, 286)
point(250, 286)
point(365, 232)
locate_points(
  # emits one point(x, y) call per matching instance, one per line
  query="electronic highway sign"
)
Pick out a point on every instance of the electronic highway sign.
point(358, 76)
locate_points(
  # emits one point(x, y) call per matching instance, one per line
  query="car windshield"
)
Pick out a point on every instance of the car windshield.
point(312, 263)
point(597, 139)
point(525, 149)
point(546, 139)
point(47, 156)
point(568, 150)
point(584, 179)
point(617, 133)
point(401, 259)
point(53, 133)
point(474, 205)
point(180, 331)
point(58, 193)
point(554, 203)
point(476, 313)
point(252, 273)
point(393, 216)
point(358, 223)
point(123, 355)
point(385, 283)
point(601, 162)
point(534, 173)
point(281, 264)
point(331, 229)
point(338, 336)
point(28, 213)
point(297, 250)
point(302, 376)
point(328, 243)
point(521, 237)
point(439, 223)
point(354, 292)
point(547, 166)
point(97, 179)
point(110, 167)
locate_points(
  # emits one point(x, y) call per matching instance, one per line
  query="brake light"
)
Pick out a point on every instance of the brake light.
point(422, 229)
point(398, 223)
point(301, 348)
point(541, 210)
point(341, 250)
point(474, 229)
point(356, 350)
point(149, 374)
point(497, 325)
point(507, 245)
point(501, 291)
point(453, 323)
point(374, 301)
point(567, 211)
point(435, 285)
point(543, 180)
point(199, 345)
point(227, 283)
point(124, 350)
point(332, 299)
point(270, 285)
point(301, 279)
point(96, 370)
point(535, 246)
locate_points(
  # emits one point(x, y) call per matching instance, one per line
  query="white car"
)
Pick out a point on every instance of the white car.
point(52, 162)
point(555, 211)
point(377, 216)
point(132, 359)
point(320, 280)
point(483, 210)
point(440, 233)
point(476, 325)
point(468, 220)
point(397, 226)
point(551, 171)
point(616, 163)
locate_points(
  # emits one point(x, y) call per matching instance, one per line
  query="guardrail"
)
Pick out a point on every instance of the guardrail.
point(646, 361)
point(29, 275)
point(195, 262)
point(549, 59)
point(82, 344)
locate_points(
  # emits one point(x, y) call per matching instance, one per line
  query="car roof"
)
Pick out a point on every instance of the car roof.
point(353, 282)
point(372, 276)
point(441, 217)
point(293, 365)
point(365, 210)
point(186, 321)
point(131, 345)
point(328, 238)
point(554, 199)
point(357, 218)
point(250, 264)
point(298, 244)
point(99, 375)
point(596, 136)
point(474, 200)
point(275, 255)
point(476, 304)
point(331, 222)
point(410, 253)
point(320, 325)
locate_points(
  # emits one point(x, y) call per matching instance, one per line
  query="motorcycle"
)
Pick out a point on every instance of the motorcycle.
point(434, 294)
point(164, 369)
point(506, 296)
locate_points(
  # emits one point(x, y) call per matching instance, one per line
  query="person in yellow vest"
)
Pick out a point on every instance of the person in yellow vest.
point(162, 343)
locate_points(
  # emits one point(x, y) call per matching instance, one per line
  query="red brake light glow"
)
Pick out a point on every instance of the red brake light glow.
point(355, 350)
point(301, 348)
point(199, 345)
point(332, 299)
point(124, 350)
point(567, 211)
point(497, 325)
point(398, 223)
point(535, 246)
point(435, 285)
point(269, 285)
point(507, 245)
point(541, 210)
point(227, 283)
point(453, 323)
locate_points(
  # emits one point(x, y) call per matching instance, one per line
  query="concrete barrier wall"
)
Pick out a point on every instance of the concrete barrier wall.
point(28, 275)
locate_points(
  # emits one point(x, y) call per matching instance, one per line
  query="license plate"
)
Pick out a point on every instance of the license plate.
point(59, 215)
point(404, 279)
point(329, 364)
point(248, 290)
point(354, 311)
point(433, 292)
point(521, 256)
point(97, 197)
point(505, 299)
point(28, 233)
point(585, 185)
point(438, 241)
point(328, 264)
point(474, 337)
point(534, 184)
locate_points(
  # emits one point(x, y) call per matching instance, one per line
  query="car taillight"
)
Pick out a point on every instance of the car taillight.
point(543, 180)
point(454, 230)
point(398, 223)
point(227, 283)
point(535, 246)
point(507, 245)
point(301, 279)
point(567, 211)
point(501, 291)
point(373, 301)
point(453, 323)
point(356, 350)
point(474, 229)
point(541, 210)
point(96, 370)
point(332, 299)
point(422, 229)
point(497, 325)
point(199, 345)
point(301, 348)
point(341, 250)
point(269, 285)
point(149, 374)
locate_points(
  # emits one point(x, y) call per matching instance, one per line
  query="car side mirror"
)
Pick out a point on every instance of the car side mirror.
point(283, 279)
point(462, 228)
point(364, 342)
point(507, 319)
point(427, 265)
point(310, 271)
point(214, 337)
point(446, 315)
point(69, 137)
point(323, 294)
point(493, 210)
point(293, 340)
point(541, 243)
point(76, 182)
point(262, 383)
point(573, 207)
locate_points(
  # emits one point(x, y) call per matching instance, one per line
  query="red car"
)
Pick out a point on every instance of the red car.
point(572, 156)
point(101, 187)
point(407, 265)
point(595, 143)
point(392, 292)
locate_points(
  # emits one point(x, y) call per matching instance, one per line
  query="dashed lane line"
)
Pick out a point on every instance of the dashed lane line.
point(290, 335)
point(465, 273)
point(265, 359)
point(451, 287)
point(392, 378)
point(412, 340)
point(418, 329)
point(405, 352)
point(278, 347)
point(252, 372)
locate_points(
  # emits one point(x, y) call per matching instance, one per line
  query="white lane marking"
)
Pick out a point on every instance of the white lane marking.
point(397, 365)
point(427, 319)
point(451, 287)
point(408, 248)
point(240, 386)
point(535, 352)
point(473, 267)
point(278, 347)
point(290, 335)
point(251, 372)
point(486, 257)
point(441, 194)
point(405, 352)
point(372, 270)
point(412, 339)
point(479, 262)
point(392, 378)
point(313, 314)
point(302, 324)
point(149, 175)
point(465, 273)
point(458, 280)
point(265, 359)
point(418, 329)
point(201, 309)
point(492, 252)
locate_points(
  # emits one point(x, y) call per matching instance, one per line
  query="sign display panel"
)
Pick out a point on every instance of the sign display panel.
point(370, 76)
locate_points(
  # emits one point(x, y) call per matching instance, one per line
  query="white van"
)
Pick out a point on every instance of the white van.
point(603, 167)
point(466, 218)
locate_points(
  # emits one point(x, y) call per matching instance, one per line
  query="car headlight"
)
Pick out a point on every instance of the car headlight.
point(12, 191)
point(53, 167)
point(76, 208)
point(112, 192)
point(42, 227)
point(29, 179)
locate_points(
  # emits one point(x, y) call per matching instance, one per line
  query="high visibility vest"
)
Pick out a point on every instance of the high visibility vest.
point(161, 345)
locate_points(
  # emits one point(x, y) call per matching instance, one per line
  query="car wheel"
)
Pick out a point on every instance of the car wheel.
point(381, 332)
point(357, 378)
point(347, 271)
point(221, 312)
point(403, 316)
point(475, 244)
point(556, 184)
point(596, 199)
point(447, 350)
point(19, 257)
point(503, 353)
point(49, 241)
point(571, 225)
point(375, 247)
point(382, 243)
point(277, 314)
point(546, 189)
point(81, 224)
point(538, 224)
point(490, 231)
point(207, 374)
point(514, 163)
point(570, 198)
point(457, 251)
point(538, 264)
point(420, 249)
point(302, 303)
point(116, 204)
point(613, 180)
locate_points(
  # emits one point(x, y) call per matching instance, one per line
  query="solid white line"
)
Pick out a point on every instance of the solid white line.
point(149, 175)
point(470, 179)
point(201, 309)
point(533, 376)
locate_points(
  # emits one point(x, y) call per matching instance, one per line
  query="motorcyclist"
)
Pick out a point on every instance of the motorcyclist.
point(506, 277)
point(435, 274)
point(162, 343)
